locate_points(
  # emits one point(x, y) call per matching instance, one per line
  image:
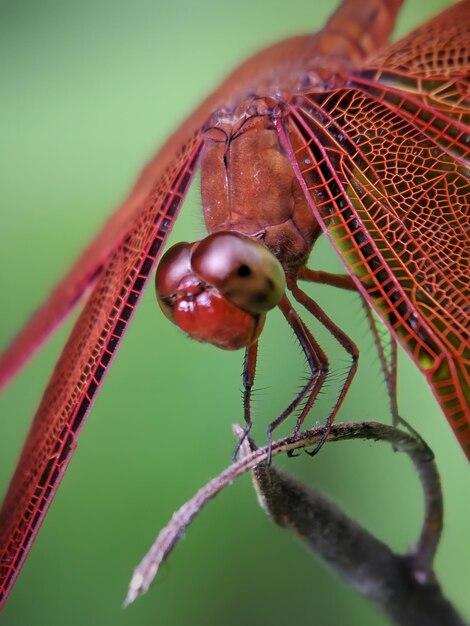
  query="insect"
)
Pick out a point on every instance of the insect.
point(72, 442)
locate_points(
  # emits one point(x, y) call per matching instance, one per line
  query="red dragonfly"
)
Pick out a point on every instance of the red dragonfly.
point(120, 261)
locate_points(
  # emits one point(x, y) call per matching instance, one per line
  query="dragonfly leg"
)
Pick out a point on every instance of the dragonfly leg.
point(388, 363)
point(249, 371)
point(318, 364)
point(314, 309)
point(342, 281)
point(389, 368)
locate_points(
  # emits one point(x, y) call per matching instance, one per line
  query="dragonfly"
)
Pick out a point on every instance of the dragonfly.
point(118, 264)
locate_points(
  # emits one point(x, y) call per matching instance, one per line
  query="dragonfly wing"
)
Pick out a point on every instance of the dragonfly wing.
point(89, 266)
point(384, 164)
point(82, 366)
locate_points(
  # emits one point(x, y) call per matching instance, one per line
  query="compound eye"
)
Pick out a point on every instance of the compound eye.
point(175, 265)
point(242, 269)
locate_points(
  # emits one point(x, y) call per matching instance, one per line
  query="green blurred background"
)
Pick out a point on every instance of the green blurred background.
point(89, 90)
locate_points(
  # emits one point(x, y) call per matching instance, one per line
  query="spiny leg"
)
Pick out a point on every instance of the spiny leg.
point(318, 365)
point(342, 281)
point(388, 365)
point(249, 371)
point(314, 309)
point(316, 357)
point(389, 368)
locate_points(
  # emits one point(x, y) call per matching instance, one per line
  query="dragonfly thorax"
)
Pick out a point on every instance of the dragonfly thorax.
point(248, 184)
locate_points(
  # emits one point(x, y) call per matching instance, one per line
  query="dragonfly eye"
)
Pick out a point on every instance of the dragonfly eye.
point(219, 289)
point(173, 267)
point(242, 269)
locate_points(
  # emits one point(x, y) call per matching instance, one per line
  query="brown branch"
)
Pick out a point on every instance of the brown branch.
point(420, 559)
point(368, 565)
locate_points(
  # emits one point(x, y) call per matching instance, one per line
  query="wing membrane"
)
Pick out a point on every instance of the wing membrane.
point(425, 76)
point(386, 166)
point(83, 365)
point(88, 267)
point(437, 48)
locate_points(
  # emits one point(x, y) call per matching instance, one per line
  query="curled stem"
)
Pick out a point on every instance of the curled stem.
point(403, 587)
point(419, 559)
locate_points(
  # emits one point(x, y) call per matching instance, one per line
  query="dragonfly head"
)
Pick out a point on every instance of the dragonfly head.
point(219, 290)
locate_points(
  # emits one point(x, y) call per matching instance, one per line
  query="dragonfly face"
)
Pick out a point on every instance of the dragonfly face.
point(123, 409)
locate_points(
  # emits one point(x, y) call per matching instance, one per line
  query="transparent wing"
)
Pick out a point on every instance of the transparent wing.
point(82, 366)
point(384, 162)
